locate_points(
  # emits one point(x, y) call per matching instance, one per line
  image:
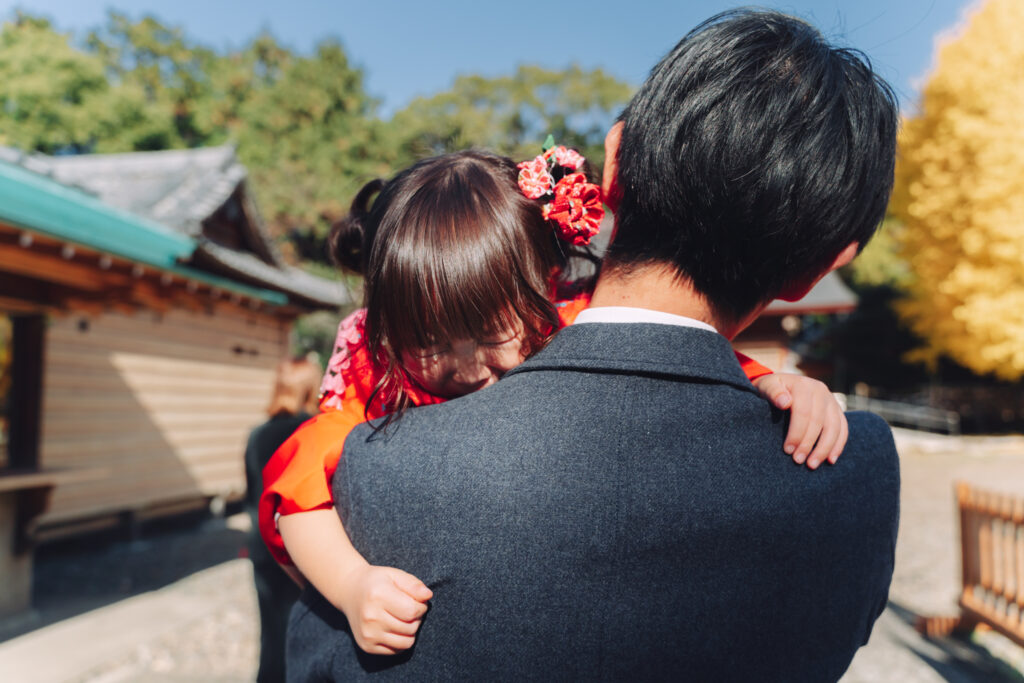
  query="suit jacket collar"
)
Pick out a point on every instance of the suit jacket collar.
point(641, 348)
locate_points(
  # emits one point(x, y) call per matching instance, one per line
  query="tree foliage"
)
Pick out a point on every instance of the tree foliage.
point(513, 114)
point(958, 197)
point(303, 125)
point(880, 263)
point(53, 97)
point(311, 139)
point(172, 76)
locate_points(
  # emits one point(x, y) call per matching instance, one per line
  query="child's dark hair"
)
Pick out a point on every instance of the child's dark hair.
point(450, 249)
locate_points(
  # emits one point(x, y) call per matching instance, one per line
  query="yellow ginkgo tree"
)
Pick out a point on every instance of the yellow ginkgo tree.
point(960, 197)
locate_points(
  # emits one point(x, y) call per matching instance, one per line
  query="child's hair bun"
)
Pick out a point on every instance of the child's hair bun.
point(346, 241)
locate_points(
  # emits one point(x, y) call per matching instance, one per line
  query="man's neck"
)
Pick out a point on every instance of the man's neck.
point(660, 288)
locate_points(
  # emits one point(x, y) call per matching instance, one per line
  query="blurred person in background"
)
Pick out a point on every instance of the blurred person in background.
point(293, 402)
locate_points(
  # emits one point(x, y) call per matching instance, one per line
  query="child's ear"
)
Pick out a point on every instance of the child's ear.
point(609, 177)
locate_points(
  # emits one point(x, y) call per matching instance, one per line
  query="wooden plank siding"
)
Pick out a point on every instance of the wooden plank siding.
point(162, 404)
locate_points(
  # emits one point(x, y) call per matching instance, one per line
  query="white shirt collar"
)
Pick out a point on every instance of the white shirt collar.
point(628, 314)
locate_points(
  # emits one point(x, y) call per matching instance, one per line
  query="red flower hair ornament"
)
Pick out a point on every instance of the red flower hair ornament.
point(576, 206)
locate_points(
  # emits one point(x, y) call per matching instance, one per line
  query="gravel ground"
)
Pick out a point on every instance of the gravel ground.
point(221, 644)
point(74, 577)
point(926, 580)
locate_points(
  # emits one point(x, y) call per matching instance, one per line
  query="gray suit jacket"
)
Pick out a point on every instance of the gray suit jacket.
point(617, 508)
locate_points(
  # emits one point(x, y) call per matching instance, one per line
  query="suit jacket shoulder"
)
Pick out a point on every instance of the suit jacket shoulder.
point(626, 476)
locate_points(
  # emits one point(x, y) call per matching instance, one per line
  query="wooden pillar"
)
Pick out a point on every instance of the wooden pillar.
point(16, 568)
point(26, 391)
point(970, 568)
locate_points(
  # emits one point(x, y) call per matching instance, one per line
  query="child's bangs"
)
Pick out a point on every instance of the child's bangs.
point(457, 278)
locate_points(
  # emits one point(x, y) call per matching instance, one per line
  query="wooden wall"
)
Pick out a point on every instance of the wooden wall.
point(773, 355)
point(158, 405)
point(767, 342)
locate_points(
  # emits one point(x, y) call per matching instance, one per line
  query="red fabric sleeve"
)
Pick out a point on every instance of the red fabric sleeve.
point(568, 309)
point(297, 477)
point(751, 367)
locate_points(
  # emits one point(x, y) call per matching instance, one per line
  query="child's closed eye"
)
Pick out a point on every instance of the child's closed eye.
point(498, 341)
point(431, 353)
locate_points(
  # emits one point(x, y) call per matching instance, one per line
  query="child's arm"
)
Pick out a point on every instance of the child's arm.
point(297, 518)
point(384, 605)
point(817, 425)
point(297, 477)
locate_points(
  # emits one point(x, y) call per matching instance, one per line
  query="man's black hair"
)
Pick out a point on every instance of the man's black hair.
point(753, 154)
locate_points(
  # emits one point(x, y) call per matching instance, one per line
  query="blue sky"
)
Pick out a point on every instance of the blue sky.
point(417, 47)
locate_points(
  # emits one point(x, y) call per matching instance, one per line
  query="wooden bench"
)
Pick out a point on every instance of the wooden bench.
point(992, 557)
point(24, 495)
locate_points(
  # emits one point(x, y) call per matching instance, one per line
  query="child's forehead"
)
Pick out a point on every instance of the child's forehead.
point(447, 328)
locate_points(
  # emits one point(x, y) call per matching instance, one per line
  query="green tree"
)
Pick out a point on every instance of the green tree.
point(880, 264)
point(54, 97)
point(310, 137)
point(513, 114)
point(303, 125)
point(184, 87)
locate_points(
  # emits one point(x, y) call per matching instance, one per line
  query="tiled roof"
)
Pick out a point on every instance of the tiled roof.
point(830, 295)
point(178, 188)
point(314, 290)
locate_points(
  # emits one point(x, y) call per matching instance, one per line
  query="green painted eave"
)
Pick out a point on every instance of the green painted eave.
point(41, 205)
point(34, 202)
point(269, 296)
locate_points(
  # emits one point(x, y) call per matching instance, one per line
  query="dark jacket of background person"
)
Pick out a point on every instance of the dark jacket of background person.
point(619, 507)
point(294, 394)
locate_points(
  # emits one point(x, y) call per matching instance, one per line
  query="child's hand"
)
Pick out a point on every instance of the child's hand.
point(384, 605)
point(385, 608)
point(816, 421)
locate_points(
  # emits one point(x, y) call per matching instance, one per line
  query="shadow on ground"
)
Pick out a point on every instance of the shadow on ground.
point(74, 577)
point(955, 658)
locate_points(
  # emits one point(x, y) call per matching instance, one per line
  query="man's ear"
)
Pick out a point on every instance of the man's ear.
point(609, 178)
point(798, 289)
